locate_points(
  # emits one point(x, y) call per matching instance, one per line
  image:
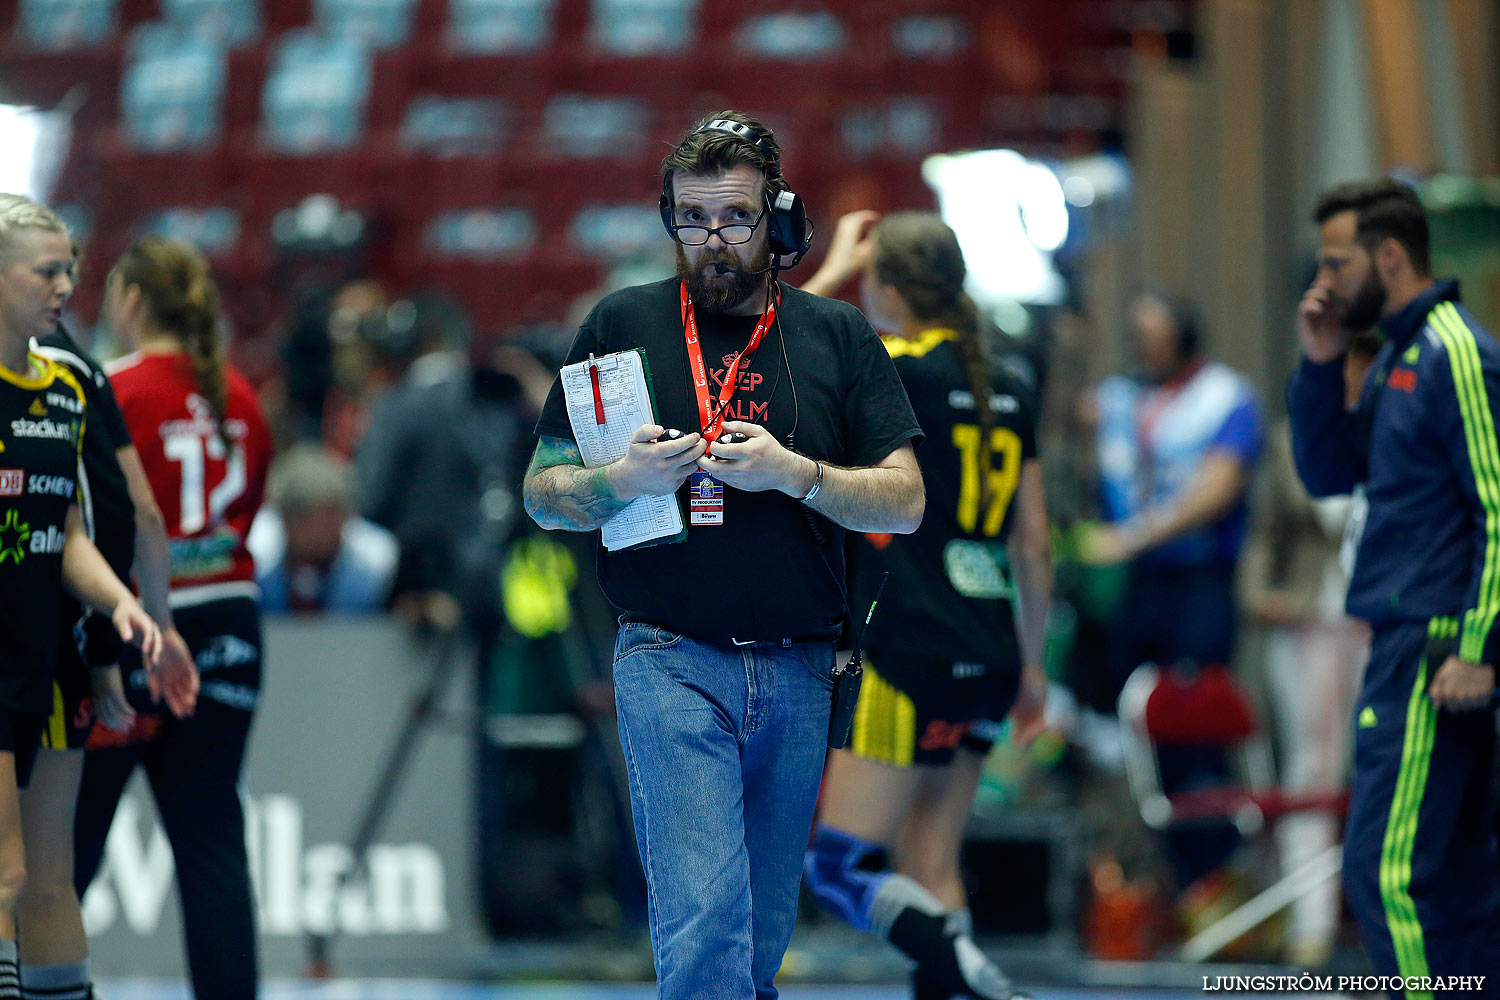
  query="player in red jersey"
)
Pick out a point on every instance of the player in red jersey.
point(206, 449)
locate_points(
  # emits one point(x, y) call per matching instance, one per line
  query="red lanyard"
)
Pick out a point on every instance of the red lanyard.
point(709, 415)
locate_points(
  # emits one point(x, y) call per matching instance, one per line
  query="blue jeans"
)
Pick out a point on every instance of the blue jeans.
point(725, 747)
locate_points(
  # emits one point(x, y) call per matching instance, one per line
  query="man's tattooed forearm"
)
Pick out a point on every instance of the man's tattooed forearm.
point(561, 494)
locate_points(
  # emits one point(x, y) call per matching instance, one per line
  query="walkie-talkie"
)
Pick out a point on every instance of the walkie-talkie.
point(846, 682)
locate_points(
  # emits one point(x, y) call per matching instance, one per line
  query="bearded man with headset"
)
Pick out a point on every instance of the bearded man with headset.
point(796, 429)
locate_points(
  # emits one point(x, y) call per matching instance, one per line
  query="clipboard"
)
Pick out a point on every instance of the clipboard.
point(618, 388)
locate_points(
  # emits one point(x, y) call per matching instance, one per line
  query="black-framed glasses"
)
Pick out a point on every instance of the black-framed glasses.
point(735, 234)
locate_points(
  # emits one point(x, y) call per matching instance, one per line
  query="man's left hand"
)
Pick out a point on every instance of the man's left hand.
point(1106, 545)
point(1028, 717)
point(1460, 685)
point(759, 464)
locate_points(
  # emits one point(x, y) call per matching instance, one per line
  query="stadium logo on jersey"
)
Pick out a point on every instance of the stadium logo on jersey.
point(11, 482)
point(45, 429)
point(56, 486)
point(37, 409)
point(69, 403)
point(963, 399)
point(15, 534)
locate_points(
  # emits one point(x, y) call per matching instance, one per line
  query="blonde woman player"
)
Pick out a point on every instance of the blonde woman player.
point(44, 543)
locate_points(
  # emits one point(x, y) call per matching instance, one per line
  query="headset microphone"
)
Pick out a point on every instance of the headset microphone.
point(722, 269)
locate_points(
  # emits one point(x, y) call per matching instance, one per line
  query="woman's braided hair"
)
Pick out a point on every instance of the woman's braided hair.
point(179, 290)
point(918, 254)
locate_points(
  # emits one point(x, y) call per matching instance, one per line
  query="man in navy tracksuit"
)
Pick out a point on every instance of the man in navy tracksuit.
point(1420, 864)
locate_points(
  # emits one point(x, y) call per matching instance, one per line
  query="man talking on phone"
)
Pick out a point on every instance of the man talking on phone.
point(1420, 864)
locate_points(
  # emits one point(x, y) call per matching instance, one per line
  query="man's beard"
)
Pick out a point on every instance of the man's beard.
point(1366, 308)
point(720, 293)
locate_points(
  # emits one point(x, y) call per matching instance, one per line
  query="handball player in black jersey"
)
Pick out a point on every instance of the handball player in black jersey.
point(126, 526)
point(44, 544)
point(956, 644)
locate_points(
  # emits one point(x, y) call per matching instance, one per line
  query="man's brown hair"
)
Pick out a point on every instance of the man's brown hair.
point(1384, 209)
point(715, 152)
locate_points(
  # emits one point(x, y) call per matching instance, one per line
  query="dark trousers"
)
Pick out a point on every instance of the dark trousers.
point(193, 768)
point(1172, 614)
point(1420, 862)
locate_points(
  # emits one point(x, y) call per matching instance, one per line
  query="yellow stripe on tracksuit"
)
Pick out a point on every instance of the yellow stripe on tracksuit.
point(1401, 826)
point(55, 735)
point(1484, 459)
point(885, 722)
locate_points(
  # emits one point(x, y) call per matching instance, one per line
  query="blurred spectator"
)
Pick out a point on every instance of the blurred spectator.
point(1293, 583)
point(311, 552)
point(438, 466)
point(1177, 443)
point(369, 339)
point(330, 366)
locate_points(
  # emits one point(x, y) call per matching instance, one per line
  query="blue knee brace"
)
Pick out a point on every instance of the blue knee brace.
point(832, 867)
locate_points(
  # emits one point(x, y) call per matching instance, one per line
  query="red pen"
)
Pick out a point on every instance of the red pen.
point(598, 399)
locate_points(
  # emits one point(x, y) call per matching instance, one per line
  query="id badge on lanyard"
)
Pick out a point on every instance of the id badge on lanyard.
point(705, 499)
point(705, 493)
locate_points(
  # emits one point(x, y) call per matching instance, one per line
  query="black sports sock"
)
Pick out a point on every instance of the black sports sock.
point(923, 988)
point(948, 961)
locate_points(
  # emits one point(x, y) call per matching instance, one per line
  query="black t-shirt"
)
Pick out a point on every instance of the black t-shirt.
point(760, 574)
point(103, 495)
point(948, 597)
point(42, 417)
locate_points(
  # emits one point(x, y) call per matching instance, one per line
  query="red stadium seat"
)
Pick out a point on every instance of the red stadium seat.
point(360, 178)
point(45, 78)
point(128, 182)
point(501, 296)
point(1206, 707)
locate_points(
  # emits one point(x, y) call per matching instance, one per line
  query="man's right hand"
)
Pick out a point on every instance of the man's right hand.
point(655, 468)
point(1323, 339)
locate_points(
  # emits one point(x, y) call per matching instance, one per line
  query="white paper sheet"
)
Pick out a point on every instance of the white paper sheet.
point(627, 405)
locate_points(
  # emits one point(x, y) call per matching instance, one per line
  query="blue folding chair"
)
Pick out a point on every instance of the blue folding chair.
point(172, 94)
point(643, 27)
point(315, 93)
point(500, 27)
point(235, 23)
point(456, 126)
point(382, 24)
point(586, 126)
point(60, 25)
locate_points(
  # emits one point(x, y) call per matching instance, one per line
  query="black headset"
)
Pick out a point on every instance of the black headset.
point(788, 231)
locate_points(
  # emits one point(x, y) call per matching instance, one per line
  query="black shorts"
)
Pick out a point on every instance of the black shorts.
point(224, 637)
point(920, 712)
point(72, 717)
point(22, 736)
